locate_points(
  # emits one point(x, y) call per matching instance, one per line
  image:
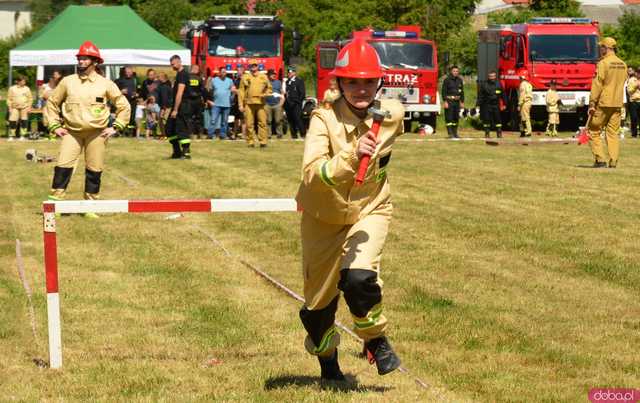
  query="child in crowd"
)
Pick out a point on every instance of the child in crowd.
point(140, 107)
point(331, 95)
point(553, 108)
point(152, 113)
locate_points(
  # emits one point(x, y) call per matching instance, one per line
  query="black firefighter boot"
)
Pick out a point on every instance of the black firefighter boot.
point(186, 151)
point(379, 351)
point(177, 154)
point(499, 133)
point(330, 369)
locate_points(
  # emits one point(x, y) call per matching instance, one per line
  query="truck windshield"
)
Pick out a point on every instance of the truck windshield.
point(250, 44)
point(405, 54)
point(563, 48)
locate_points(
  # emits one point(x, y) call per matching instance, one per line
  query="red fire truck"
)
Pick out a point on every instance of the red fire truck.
point(411, 70)
point(232, 40)
point(560, 49)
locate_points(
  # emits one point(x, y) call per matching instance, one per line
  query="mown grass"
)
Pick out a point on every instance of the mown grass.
point(510, 274)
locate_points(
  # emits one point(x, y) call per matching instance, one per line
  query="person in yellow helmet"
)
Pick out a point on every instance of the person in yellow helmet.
point(605, 104)
point(525, 98)
point(344, 227)
point(553, 110)
point(78, 112)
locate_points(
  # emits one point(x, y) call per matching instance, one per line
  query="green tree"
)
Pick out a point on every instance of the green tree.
point(626, 34)
point(538, 8)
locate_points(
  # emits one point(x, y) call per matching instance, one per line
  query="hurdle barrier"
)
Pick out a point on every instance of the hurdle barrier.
point(51, 208)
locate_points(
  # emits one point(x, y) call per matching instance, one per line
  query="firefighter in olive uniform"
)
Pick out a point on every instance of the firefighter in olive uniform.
point(19, 100)
point(78, 111)
point(453, 96)
point(605, 102)
point(490, 95)
point(553, 110)
point(344, 227)
point(254, 88)
point(525, 97)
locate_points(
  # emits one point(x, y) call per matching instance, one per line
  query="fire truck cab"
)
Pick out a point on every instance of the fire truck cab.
point(232, 40)
point(411, 70)
point(561, 49)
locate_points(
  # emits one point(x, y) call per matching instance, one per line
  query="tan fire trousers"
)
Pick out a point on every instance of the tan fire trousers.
point(525, 118)
point(343, 258)
point(608, 118)
point(251, 113)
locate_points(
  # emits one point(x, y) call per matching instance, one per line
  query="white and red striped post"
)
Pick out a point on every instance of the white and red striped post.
point(51, 273)
point(50, 208)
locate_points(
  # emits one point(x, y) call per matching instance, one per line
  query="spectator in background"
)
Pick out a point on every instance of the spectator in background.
point(19, 100)
point(295, 95)
point(239, 125)
point(45, 91)
point(274, 105)
point(208, 86)
point(633, 100)
point(164, 100)
point(139, 116)
point(152, 115)
point(149, 86)
point(223, 88)
point(127, 85)
point(331, 95)
point(197, 96)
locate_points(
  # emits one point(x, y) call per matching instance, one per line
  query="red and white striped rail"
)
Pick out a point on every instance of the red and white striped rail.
point(50, 208)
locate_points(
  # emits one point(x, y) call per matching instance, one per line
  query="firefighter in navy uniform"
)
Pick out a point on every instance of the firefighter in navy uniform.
point(178, 127)
point(344, 227)
point(490, 94)
point(453, 96)
point(197, 97)
point(78, 112)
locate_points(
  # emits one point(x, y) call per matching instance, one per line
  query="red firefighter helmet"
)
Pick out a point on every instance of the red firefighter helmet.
point(358, 59)
point(90, 50)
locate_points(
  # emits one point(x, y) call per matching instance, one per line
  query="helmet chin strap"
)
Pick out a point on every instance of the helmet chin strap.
point(352, 106)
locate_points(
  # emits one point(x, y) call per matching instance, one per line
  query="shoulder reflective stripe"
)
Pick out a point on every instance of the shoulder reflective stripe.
point(326, 339)
point(324, 174)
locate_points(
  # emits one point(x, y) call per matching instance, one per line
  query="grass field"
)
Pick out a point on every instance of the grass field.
point(511, 274)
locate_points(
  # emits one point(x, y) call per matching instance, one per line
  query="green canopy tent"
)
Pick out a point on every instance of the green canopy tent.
point(120, 34)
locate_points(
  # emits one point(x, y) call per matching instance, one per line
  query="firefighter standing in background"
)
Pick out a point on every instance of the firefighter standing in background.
point(525, 97)
point(453, 95)
point(178, 127)
point(254, 88)
point(489, 97)
point(81, 99)
point(553, 110)
point(633, 100)
point(19, 100)
point(344, 227)
point(605, 104)
point(197, 97)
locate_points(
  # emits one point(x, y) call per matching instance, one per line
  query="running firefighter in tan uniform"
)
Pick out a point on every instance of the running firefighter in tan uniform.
point(344, 227)
point(78, 112)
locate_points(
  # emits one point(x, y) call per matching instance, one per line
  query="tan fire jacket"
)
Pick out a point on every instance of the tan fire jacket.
point(607, 88)
point(19, 97)
point(253, 89)
point(85, 104)
point(633, 89)
point(525, 93)
point(552, 101)
point(330, 163)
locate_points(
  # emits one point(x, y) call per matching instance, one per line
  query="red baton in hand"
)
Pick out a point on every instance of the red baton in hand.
point(378, 117)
